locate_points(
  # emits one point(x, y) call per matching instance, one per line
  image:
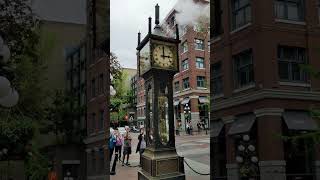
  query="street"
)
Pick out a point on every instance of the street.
point(195, 149)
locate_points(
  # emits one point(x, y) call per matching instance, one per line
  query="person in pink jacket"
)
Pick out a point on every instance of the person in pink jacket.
point(119, 143)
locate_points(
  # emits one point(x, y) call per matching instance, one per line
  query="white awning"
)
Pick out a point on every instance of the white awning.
point(185, 101)
point(203, 100)
point(176, 102)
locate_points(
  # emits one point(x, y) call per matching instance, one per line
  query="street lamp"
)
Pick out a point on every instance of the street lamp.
point(68, 176)
point(8, 96)
point(246, 156)
point(186, 114)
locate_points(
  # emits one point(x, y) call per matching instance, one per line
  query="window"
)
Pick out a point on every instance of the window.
point(198, 44)
point(209, 45)
point(93, 122)
point(101, 83)
point(186, 83)
point(197, 27)
point(184, 47)
point(93, 88)
point(200, 63)
point(185, 64)
point(243, 70)
point(217, 18)
point(176, 86)
point(319, 9)
point(217, 86)
point(241, 13)
point(201, 81)
point(184, 29)
point(173, 21)
point(101, 121)
point(289, 60)
point(289, 9)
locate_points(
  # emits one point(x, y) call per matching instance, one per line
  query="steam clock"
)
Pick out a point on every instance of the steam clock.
point(158, 62)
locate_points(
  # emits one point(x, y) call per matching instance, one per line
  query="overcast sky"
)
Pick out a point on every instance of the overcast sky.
point(127, 17)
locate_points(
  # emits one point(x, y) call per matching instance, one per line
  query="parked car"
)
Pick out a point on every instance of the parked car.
point(121, 130)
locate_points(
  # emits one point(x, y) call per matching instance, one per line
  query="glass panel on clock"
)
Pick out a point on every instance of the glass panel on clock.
point(145, 58)
point(150, 126)
point(163, 114)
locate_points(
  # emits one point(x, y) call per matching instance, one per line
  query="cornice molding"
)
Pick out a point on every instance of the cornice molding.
point(100, 137)
point(264, 94)
point(268, 112)
point(228, 119)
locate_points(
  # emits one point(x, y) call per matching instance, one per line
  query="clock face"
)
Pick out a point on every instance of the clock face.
point(163, 56)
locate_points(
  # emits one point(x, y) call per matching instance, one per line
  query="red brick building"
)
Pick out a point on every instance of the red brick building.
point(141, 104)
point(258, 90)
point(191, 84)
point(97, 77)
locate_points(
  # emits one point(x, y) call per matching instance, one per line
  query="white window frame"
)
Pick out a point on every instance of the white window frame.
point(197, 42)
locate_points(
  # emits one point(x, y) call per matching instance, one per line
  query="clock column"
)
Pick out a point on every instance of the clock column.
point(160, 159)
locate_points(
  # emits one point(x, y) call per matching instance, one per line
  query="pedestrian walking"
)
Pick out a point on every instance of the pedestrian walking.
point(141, 144)
point(188, 128)
point(126, 146)
point(199, 126)
point(119, 143)
point(112, 143)
point(191, 128)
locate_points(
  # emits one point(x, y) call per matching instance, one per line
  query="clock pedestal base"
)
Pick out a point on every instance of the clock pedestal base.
point(161, 164)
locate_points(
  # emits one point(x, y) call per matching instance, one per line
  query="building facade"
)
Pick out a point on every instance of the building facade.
point(191, 83)
point(141, 103)
point(98, 80)
point(63, 27)
point(259, 90)
point(134, 91)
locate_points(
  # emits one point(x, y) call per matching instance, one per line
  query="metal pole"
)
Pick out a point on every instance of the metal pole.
point(113, 170)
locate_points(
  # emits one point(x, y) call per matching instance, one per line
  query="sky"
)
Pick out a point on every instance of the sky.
point(127, 18)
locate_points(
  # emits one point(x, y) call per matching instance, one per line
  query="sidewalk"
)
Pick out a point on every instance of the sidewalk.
point(187, 146)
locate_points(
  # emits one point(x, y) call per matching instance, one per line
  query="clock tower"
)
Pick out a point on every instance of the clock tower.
point(158, 62)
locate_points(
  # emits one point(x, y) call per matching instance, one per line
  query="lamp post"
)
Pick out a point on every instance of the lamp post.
point(247, 157)
point(8, 96)
point(186, 115)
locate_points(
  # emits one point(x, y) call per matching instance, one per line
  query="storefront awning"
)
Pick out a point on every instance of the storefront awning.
point(216, 128)
point(296, 120)
point(242, 124)
point(203, 100)
point(185, 101)
point(176, 102)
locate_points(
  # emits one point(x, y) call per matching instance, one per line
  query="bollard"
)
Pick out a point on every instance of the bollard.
point(113, 170)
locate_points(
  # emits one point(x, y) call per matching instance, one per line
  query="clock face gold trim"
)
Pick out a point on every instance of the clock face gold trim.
point(164, 55)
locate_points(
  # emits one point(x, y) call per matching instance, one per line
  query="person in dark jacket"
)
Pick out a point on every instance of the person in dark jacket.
point(141, 144)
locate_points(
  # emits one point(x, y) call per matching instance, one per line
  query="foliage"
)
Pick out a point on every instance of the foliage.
point(115, 67)
point(314, 136)
point(62, 114)
point(25, 70)
point(37, 165)
point(16, 132)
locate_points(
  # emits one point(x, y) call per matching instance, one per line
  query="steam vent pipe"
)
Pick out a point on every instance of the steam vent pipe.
point(177, 32)
point(139, 38)
point(157, 15)
point(150, 21)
